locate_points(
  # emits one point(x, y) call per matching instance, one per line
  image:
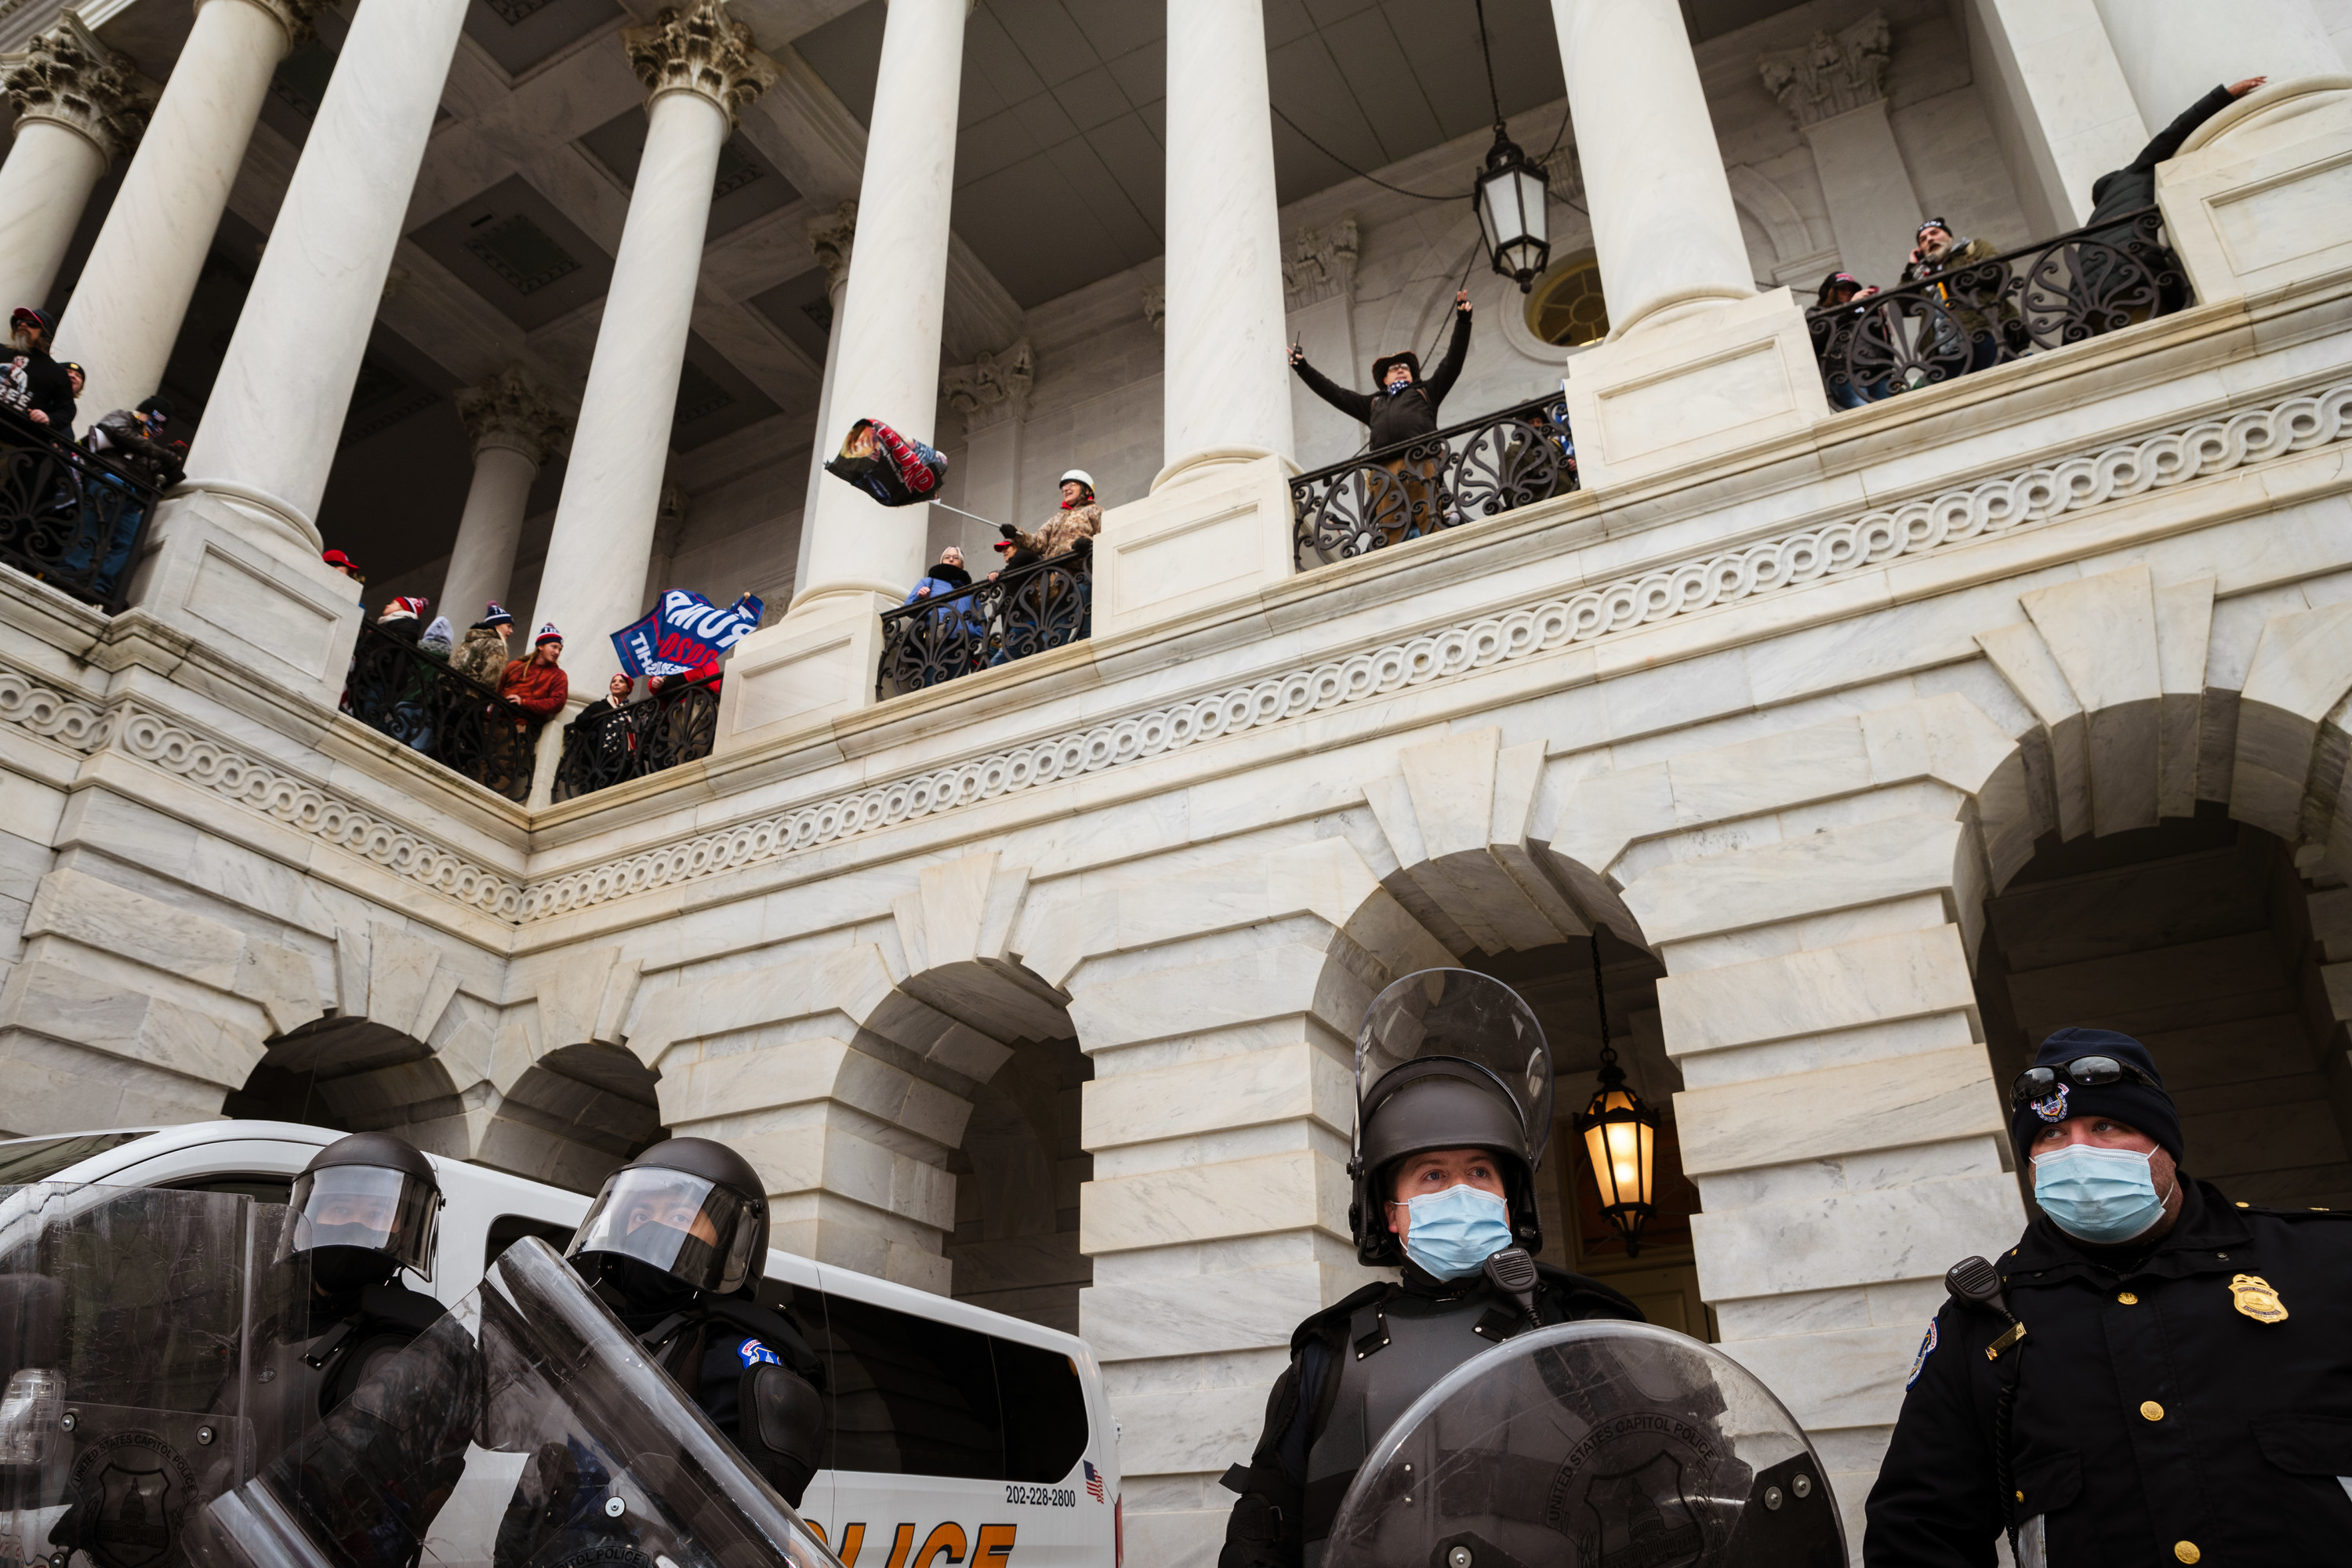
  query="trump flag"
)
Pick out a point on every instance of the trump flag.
point(684, 632)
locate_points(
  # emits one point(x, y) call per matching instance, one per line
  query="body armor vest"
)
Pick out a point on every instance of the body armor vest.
point(1396, 1348)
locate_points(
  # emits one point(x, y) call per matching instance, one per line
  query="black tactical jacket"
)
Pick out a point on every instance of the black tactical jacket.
point(1278, 1512)
point(2157, 1417)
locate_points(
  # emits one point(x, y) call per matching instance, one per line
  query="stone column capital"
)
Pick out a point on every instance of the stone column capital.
point(833, 238)
point(698, 48)
point(67, 78)
point(294, 16)
point(1319, 264)
point(1831, 74)
point(507, 409)
point(993, 387)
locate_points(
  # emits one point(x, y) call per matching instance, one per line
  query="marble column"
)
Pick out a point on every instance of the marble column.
point(126, 309)
point(277, 408)
point(1228, 384)
point(887, 365)
point(514, 427)
point(2055, 94)
point(1664, 228)
point(2174, 52)
point(700, 67)
point(991, 394)
point(833, 239)
point(1834, 89)
point(78, 109)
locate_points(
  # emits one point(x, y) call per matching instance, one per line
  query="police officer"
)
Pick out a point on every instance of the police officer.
point(675, 1244)
point(365, 1209)
point(1448, 1139)
point(2172, 1375)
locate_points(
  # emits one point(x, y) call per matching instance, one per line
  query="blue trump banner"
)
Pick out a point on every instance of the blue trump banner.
point(683, 633)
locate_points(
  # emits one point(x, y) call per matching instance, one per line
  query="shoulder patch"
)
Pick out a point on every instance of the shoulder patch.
point(754, 1352)
point(1920, 1362)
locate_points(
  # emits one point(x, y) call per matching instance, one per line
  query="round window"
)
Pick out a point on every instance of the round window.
point(1566, 307)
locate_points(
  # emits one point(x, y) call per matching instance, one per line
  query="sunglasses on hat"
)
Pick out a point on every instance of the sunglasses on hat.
point(2083, 1072)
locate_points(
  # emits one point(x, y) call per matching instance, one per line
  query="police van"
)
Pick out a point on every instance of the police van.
point(955, 1435)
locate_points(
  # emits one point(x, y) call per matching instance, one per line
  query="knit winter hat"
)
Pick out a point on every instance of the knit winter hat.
point(439, 638)
point(1932, 223)
point(404, 609)
point(547, 634)
point(2148, 1109)
point(495, 615)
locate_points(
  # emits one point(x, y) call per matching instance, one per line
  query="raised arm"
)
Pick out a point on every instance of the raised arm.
point(1356, 406)
point(1449, 369)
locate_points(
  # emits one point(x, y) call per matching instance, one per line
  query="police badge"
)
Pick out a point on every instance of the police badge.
point(2251, 1294)
point(2053, 1107)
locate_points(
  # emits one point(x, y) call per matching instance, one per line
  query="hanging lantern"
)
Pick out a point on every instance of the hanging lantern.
point(1512, 201)
point(1620, 1136)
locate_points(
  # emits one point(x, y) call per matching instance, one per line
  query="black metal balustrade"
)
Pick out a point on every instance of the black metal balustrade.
point(1482, 468)
point(607, 745)
point(1046, 603)
point(2050, 294)
point(398, 688)
point(67, 516)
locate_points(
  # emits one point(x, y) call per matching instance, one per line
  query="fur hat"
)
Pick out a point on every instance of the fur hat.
point(1408, 359)
point(2148, 1108)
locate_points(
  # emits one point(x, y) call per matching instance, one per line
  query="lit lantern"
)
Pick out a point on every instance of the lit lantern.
point(1620, 1136)
point(1513, 213)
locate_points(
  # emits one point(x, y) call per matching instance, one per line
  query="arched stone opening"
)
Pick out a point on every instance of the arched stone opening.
point(574, 1116)
point(2196, 937)
point(1015, 1248)
point(348, 1074)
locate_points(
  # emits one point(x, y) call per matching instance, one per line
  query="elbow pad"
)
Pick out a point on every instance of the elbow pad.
point(781, 1417)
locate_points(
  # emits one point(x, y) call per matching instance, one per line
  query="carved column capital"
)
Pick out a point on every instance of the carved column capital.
point(833, 238)
point(1833, 73)
point(698, 48)
point(67, 78)
point(508, 409)
point(994, 387)
point(294, 16)
point(1319, 264)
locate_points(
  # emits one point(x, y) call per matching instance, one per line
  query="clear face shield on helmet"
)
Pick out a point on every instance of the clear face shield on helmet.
point(368, 1207)
point(696, 1232)
point(1464, 1019)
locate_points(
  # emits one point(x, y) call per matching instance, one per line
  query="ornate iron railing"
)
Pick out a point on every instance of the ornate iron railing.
point(1478, 469)
point(607, 745)
point(1046, 603)
point(2050, 294)
point(67, 516)
point(396, 688)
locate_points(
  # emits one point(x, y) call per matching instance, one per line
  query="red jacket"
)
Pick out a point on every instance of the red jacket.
point(538, 690)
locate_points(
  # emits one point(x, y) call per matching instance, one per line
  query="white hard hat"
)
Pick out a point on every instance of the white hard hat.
point(1080, 475)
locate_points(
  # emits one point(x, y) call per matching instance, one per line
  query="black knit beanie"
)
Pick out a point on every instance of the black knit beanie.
point(2149, 1110)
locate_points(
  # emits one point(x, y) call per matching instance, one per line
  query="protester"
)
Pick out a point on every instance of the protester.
point(1940, 253)
point(895, 469)
point(483, 654)
point(1402, 407)
point(2120, 193)
point(399, 618)
point(606, 734)
point(945, 576)
point(953, 634)
point(536, 687)
point(438, 638)
point(132, 440)
point(1038, 614)
point(31, 382)
point(345, 564)
point(1834, 330)
point(2153, 1374)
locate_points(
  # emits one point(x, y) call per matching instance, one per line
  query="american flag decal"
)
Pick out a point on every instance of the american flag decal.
point(1094, 1480)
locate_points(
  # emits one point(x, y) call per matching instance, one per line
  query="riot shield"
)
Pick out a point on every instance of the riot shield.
point(134, 1335)
point(1593, 1445)
point(526, 1429)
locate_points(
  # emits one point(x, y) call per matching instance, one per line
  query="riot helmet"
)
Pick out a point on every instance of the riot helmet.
point(688, 1215)
point(1447, 1058)
point(364, 1207)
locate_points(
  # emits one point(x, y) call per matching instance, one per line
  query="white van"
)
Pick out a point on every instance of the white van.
point(957, 1436)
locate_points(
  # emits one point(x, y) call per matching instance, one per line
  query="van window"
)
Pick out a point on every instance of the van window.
point(261, 1189)
point(510, 1229)
point(25, 1161)
point(909, 1395)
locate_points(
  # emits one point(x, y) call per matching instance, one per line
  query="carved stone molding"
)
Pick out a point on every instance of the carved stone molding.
point(698, 48)
point(508, 409)
point(833, 238)
point(295, 16)
point(1953, 517)
point(1319, 264)
point(67, 78)
point(993, 387)
point(1155, 308)
point(43, 711)
point(1831, 74)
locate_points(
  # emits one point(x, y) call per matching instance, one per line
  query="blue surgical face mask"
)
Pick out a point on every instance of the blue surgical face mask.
point(2099, 1195)
point(1456, 1231)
